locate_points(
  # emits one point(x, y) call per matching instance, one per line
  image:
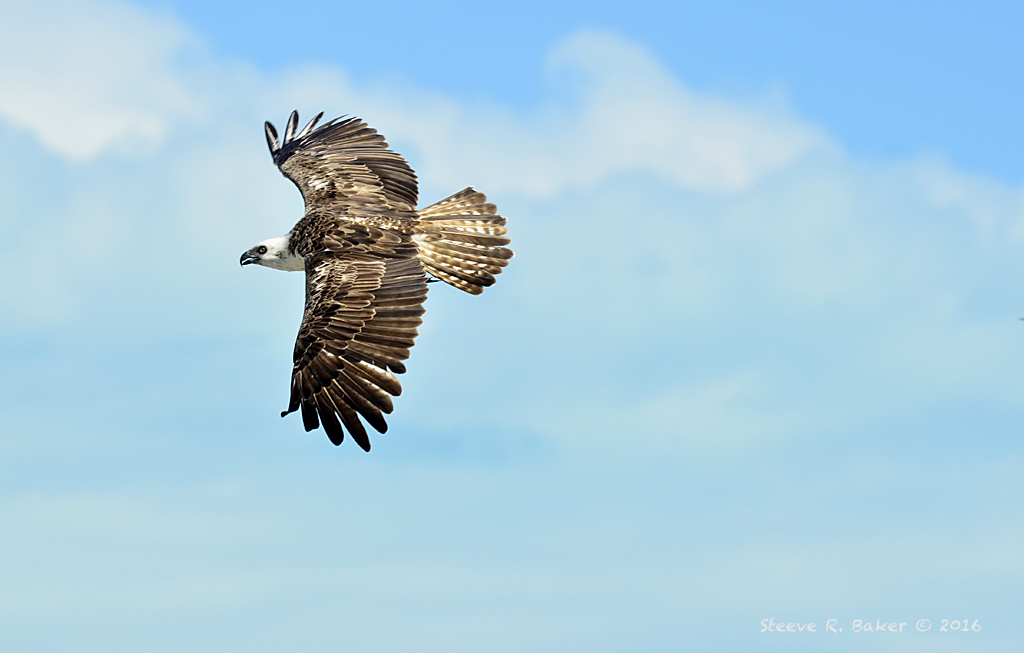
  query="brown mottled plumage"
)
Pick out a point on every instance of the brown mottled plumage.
point(367, 252)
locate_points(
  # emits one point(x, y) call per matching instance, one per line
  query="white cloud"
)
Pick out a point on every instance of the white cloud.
point(85, 76)
point(997, 209)
point(613, 109)
point(647, 217)
point(635, 115)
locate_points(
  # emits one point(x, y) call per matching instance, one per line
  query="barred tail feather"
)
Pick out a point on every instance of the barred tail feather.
point(460, 241)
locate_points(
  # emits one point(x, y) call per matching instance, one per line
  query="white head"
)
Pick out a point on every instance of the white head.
point(274, 253)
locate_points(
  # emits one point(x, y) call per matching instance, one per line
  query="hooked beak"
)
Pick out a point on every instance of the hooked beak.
point(248, 258)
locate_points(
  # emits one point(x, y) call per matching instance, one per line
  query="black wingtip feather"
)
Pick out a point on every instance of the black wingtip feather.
point(293, 124)
point(309, 127)
point(329, 420)
point(272, 141)
point(293, 402)
point(351, 421)
point(309, 418)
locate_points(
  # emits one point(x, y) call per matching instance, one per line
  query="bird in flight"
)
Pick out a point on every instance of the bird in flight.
point(368, 254)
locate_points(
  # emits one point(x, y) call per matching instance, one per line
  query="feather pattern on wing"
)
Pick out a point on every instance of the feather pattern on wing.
point(362, 314)
point(344, 162)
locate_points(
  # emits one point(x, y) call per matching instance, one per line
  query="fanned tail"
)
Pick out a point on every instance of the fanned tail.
point(460, 241)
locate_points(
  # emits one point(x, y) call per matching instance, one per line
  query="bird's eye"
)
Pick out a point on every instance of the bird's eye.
point(262, 250)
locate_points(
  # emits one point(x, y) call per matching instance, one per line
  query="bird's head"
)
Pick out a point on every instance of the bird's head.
point(274, 253)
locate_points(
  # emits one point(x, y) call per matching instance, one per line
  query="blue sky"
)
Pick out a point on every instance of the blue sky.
point(758, 355)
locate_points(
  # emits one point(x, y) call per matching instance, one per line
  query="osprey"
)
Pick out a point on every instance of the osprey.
point(367, 253)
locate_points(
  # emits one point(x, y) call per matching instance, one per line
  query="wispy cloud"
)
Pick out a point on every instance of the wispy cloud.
point(649, 218)
point(87, 76)
point(613, 108)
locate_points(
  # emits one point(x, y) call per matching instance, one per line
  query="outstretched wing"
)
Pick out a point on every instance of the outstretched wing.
point(361, 318)
point(343, 162)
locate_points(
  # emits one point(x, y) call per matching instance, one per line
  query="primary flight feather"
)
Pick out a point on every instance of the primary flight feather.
point(367, 253)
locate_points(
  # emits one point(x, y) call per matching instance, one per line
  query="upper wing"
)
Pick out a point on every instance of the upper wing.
point(361, 319)
point(343, 162)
